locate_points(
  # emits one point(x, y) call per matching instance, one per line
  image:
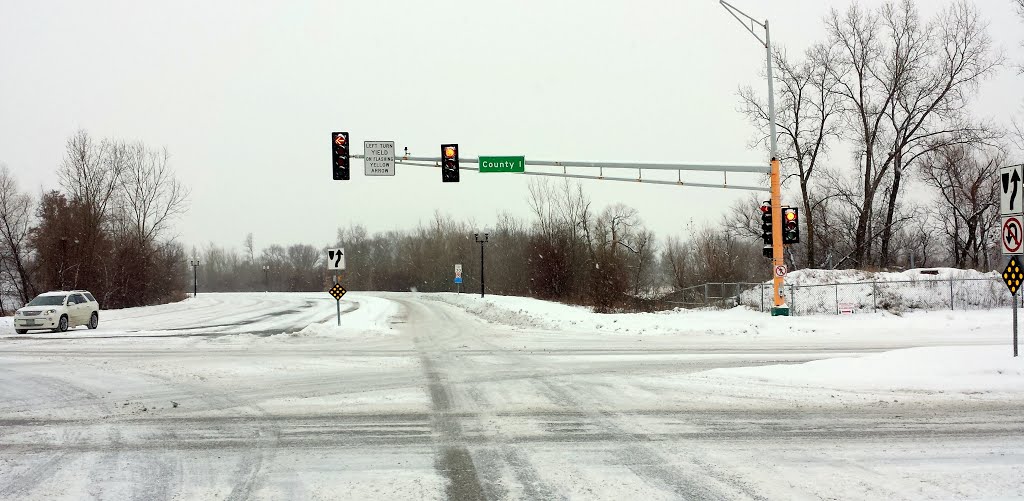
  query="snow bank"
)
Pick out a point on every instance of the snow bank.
point(524, 312)
point(741, 324)
point(371, 316)
point(829, 291)
point(962, 369)
point(821, 277)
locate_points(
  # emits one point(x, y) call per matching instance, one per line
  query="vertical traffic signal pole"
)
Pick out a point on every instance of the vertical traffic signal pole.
point(777, 251)
point(778, 256)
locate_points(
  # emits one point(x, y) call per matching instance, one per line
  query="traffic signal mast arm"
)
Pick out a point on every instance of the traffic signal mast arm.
point(723, 168)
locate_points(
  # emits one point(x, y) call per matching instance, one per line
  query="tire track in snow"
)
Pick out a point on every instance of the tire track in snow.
point(493, 459)
point(643, 461)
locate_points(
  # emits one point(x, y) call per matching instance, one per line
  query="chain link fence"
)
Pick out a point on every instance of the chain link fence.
point(854, 297)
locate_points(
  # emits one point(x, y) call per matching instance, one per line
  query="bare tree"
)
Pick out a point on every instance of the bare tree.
point(905, 84)
point(15, 227)
point(807, 119)
point(969, 199)
point(150, 197)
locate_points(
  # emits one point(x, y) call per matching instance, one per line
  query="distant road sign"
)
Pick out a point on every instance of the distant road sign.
point(336, 259)
point(379, 158)
point(458, 273)
point(1012, 234)
point(1010, 190)
point(503, 164)
point(780, 271)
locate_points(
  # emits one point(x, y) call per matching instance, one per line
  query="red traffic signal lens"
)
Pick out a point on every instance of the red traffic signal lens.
point(766, 208)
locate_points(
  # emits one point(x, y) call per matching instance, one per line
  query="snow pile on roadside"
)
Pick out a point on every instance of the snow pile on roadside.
point(738, 323)
point(822, 277)
point(524, 312)
point(951, 369)
point(371, 316)
point(813, 291)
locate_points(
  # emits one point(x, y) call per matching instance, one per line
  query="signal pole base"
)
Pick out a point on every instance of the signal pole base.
point(780, 311)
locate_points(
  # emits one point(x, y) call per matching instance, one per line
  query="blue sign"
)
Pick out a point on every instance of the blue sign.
point(458, 280)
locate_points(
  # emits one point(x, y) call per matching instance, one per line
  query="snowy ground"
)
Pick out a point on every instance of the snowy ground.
point(442, 396)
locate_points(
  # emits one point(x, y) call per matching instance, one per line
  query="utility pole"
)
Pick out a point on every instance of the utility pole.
point(476, 236)
point(195, 276)
point(778, 257)
point(266, 278)
point(63, 259)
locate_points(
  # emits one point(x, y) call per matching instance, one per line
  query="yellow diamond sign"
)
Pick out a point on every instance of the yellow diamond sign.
point(337, 291)
point(1012, 275)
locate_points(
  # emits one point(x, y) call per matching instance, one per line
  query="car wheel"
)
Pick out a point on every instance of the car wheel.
point(62, 325)
point(21, 331)
point(94, 320)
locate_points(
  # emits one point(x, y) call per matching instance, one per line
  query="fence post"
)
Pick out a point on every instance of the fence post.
point(837, 298)
point(705, 294)
point(951, 294)
point(762, 297)
point(792, 299)
point(874, 296)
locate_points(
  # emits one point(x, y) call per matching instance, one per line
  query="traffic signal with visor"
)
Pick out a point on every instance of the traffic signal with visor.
point(450, 163)
point(766, 228)
point(790, 225)
point(340, 156)
point(766, 223)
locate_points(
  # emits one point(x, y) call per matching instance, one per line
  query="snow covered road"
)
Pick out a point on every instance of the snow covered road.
point(238, 396)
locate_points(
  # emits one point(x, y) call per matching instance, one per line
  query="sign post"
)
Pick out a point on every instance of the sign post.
point(1011, 234)
point(336, 262)
point(1013, 277)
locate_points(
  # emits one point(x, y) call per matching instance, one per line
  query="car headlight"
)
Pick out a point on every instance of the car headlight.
point(49, 312)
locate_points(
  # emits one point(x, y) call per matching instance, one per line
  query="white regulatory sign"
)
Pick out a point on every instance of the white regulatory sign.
point(379, 158)
point(1010, 190)
point(1012, 234)
point(458, 271)
point(336, 259)
point(780, 271)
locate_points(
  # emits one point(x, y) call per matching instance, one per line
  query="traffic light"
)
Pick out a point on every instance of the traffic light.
point(766, 228)
point(790, 225)
point(450, 163)
point(340, 155)
point(766, 223)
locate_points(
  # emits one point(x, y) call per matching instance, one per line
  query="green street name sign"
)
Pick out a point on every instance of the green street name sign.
point(502, 164)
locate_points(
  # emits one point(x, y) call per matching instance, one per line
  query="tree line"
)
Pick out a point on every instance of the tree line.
point(106, 229)
point(893, 87)
point(568, 250)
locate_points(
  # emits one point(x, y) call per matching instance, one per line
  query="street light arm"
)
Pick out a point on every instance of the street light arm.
point(737, 13)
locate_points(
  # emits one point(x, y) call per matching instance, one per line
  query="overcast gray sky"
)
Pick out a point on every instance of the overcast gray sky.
point(245, 95)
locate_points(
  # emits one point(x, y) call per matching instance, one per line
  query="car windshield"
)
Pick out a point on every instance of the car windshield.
point(47, 301)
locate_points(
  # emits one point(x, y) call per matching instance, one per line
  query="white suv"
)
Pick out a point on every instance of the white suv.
point(58, 311)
